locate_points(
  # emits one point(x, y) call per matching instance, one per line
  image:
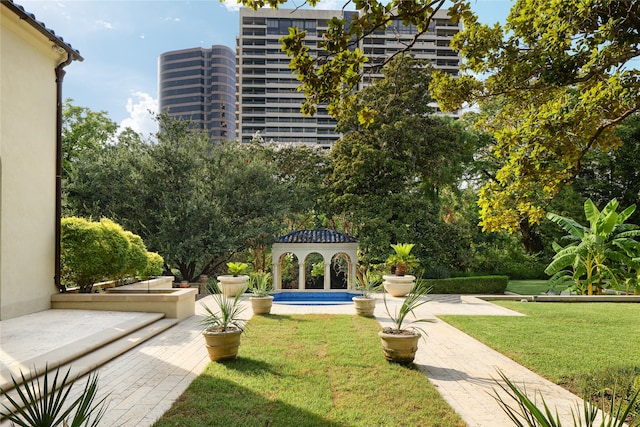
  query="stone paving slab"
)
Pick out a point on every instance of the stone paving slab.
point(53, 337)
point(143, 383)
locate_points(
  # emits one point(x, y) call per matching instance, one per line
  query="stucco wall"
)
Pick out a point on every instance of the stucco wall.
point(27, 167)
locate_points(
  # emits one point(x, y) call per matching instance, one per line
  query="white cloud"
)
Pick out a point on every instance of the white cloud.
point(104, 24)
point(231, 5)
point(333, 5)
point(141, 107)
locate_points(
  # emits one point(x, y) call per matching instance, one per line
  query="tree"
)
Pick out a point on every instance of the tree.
point(195, 202)
point(561, 72)
point(561, 68)
point(385, 177)
point(614, 175)
point(83, 130)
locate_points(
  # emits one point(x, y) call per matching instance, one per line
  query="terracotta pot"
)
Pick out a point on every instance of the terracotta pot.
point(222, 345)
point(399, 348)
point(232, 285)
point(185, 284)
point(364, 306)
point(261, 305)
point(398, 286)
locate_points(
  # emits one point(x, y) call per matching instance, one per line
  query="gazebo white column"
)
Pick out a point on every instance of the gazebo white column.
point(327, 243)
point(327, 275)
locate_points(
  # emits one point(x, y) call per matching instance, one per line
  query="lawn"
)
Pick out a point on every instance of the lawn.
point(313, 370)
point(583, 347)
point(527, 287)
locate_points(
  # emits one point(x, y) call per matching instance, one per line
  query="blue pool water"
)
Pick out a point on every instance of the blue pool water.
point(313, 298)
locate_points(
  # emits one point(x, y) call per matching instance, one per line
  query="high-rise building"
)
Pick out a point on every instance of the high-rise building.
point(268, 102)
point(199, 85)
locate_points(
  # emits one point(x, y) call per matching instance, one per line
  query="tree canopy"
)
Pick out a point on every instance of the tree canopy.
point(559, 69)
point(195, 202)
point(385, 177)
point(560, 72)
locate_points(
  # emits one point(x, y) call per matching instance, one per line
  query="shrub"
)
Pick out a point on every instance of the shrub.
point(155, 265)
point(91, 251)
point(116, 245)
point(507, 258)
point(137, 257)
point(468, 285)
point(94, 251)
point(437, 272)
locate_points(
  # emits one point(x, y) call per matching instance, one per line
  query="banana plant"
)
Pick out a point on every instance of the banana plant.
point(599, 255)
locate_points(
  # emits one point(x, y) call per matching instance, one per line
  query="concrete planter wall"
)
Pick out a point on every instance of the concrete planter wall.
point(174, 303)
point(162, 282)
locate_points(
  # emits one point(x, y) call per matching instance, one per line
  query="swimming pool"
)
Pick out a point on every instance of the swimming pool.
point(314, 298)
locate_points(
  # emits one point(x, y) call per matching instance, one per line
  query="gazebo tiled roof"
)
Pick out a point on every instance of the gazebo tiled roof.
point(321, 235)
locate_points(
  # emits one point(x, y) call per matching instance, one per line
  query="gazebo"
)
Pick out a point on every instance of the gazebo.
point(336, 249)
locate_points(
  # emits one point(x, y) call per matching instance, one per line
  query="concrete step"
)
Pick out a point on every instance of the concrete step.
point(86, 355)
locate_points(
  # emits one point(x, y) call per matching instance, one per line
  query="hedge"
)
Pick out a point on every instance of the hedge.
point(469, 285)
point(91, 252)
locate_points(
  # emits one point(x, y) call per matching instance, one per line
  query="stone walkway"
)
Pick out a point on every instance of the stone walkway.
point(143, 383)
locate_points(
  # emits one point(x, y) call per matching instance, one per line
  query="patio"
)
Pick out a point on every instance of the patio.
point(145, 380)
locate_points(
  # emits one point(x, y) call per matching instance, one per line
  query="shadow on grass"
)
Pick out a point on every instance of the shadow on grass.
point(211, 401)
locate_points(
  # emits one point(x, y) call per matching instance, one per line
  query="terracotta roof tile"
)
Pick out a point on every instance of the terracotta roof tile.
point(321, 235)
point(42, 28)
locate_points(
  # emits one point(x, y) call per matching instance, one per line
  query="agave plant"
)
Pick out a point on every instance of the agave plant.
point(260, 283)
point(529, 413)
point(412, 301)
point(44, 404)
point(228, 317)
point(592, 258)
point(368, 282)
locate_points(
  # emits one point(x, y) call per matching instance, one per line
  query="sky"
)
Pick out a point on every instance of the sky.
point(121, 41)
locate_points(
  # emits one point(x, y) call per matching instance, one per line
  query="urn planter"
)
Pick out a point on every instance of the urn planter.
point(364, 306)
point(261, 305)
point(222, 345)
point(400, 347)
point(398, 286)
point(231, 286)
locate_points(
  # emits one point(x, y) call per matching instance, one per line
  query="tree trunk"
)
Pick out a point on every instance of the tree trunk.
point(531, 239)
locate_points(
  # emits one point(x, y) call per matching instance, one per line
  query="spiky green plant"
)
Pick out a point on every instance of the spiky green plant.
point(260, 283)
point(398, 316)
point(228, 317)
point(44, 404)
point(368, 282)
point(529, 413)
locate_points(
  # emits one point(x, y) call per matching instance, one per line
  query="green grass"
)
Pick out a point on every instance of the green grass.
point(314, 370)
point(527, 287)
point(583, 347)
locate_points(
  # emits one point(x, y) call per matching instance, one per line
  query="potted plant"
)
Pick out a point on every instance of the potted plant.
point(260, 286)
point(235, 282)
point(367, 282)
point(400, 341)
point(222, 329)
point(399, 284)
